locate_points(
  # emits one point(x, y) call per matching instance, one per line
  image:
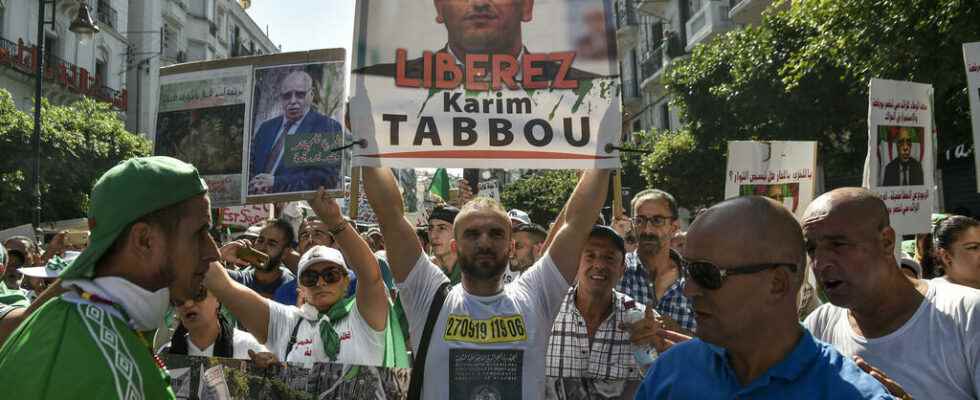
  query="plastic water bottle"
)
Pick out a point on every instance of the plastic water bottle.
point(644, 355)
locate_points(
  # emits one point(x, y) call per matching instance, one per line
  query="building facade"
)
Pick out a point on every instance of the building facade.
point(121, 64)
point(652, 34)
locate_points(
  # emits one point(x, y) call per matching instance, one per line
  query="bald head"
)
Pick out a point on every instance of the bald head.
point(750, 225)
point(852, 201)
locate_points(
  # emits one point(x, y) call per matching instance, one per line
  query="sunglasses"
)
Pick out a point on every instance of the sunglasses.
point(309, 278)
point(709, 276)
point(201, 294)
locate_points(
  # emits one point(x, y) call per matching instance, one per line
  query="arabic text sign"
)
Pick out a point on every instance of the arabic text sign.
point(782, 171)
point(971, 58)
point(427, 93)
point(900, 161)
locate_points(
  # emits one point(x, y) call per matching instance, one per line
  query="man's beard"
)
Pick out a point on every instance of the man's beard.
point(483, 272)
point(650, 243)
point(270, 265)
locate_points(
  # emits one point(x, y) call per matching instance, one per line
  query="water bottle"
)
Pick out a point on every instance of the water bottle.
point(644, 355)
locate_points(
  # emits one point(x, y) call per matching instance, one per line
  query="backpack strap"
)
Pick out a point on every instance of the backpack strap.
point(292, 340)
point(418, 366)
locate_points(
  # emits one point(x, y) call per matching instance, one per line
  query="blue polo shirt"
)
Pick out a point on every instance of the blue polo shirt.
point(813, 370)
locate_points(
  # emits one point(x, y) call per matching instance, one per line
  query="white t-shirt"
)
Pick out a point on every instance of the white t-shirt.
point(492, 346)
point(935, 355)
point(359, 343)
point(242, 342)
point(511, 275)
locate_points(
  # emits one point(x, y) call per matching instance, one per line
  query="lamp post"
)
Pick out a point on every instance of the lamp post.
point(85, 27)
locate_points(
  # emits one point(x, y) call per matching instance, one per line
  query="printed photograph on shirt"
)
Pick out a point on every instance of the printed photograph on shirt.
point(900, 154)
point(225, 378)
point(297, 136)
point(485, 374)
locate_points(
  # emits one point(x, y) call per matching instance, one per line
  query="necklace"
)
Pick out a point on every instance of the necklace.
point(100, 300)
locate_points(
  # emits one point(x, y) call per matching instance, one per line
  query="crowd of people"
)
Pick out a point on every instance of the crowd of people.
point(638, 307)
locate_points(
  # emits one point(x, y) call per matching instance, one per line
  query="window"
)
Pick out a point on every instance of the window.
point(665, 115)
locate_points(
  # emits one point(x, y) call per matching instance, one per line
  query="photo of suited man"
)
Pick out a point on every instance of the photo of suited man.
point(485, 27)
point(903, 170)
point(269, 172)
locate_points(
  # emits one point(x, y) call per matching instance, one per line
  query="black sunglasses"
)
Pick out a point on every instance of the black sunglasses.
point(201, 294)
point(709, 276)
point(309, 277)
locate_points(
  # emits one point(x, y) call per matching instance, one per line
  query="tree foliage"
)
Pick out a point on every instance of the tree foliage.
point(79, 143)
point(803, 74)
point(542, 194)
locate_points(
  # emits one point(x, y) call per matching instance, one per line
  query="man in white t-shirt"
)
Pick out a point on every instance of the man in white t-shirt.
point(489, 339)
point(923, 336)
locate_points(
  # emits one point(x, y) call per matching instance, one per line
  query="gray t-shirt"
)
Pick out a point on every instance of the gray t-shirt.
point(485, 346)
point(934, 355)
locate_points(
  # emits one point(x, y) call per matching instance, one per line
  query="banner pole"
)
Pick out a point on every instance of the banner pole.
point(355, 192)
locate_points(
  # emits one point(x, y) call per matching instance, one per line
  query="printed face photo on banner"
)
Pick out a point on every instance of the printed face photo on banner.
point(447, 80)
point(296, 129)
point(786, 193)
point(900, 151)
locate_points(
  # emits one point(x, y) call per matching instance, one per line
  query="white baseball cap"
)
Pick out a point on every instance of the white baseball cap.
point(318, 254)
point(53, 268)
point(519, 216)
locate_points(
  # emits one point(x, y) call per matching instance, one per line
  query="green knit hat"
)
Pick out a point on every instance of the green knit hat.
point(124, 194)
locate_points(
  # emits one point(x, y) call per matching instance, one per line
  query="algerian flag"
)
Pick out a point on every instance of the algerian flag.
point(440, 184)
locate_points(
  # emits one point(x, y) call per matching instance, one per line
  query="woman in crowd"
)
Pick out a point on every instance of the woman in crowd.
point(328, 326)
point(203, 331)
point(957, 241)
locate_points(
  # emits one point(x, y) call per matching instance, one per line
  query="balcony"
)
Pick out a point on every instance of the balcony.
point(749, 12)
point(626, 25)
point(651, 68)
point(656, 8)
point(710, 20)
point(106, 15)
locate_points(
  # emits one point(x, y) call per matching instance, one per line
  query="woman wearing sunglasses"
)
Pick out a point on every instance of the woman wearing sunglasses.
point(203, 331)
point(327, 327)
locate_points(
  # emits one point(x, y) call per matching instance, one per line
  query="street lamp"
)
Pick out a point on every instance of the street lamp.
point(85, 28)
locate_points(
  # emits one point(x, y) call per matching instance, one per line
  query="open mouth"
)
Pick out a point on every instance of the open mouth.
point(191, 316)
point(599, 277)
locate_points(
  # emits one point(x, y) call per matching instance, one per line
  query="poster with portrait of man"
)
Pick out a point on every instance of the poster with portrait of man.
point(780, 170)
point(516, 83)
point(899, 165)
point(201, 120)
point(297, 137)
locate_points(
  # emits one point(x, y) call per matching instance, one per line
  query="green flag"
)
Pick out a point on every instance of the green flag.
point(440, 184)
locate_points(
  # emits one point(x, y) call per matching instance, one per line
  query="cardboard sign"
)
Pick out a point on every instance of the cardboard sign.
point(245, 216)
point(782, 171)
point(489, 189)
point(900, 162)
point(431, 89)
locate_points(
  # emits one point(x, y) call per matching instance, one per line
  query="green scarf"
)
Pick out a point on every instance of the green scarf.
point(395, 354)
point(337, 312)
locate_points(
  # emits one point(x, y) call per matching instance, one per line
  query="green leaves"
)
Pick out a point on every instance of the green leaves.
point(79, 142)
point(542, 194)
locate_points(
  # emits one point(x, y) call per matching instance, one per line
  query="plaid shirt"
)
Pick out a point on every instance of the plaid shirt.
point(673, 304)
point(608, 355)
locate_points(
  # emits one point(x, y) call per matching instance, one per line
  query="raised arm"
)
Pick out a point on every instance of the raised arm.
point(580, 214)
point(251, 309)
point(372, 297)
point(401, 243)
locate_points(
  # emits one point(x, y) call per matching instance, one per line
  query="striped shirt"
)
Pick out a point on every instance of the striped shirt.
point(674, 304)
point(607, 355)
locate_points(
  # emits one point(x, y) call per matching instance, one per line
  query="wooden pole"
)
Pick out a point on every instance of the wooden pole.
point(355, 192)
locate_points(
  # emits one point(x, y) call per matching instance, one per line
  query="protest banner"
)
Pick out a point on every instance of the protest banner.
point(782, 171)
point(245, 216)
point(201, 120)
point(899, 165)
point(526, 82)
point(490, 189)
point(194, 377)
point(296, 142)
point(971, 60)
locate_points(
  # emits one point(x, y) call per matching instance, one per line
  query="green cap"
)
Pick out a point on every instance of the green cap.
point(126, 193)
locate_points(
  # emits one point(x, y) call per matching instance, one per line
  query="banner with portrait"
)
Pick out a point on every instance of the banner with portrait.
point(782, 171)
point(971, 60)
point(522, 84)
point(201, 120)
point(216, 378)
point(900, 161)
point(297, 138)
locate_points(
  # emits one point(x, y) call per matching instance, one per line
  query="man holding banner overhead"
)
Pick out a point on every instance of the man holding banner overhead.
point(492, 337)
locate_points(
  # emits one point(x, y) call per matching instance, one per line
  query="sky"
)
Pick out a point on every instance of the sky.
point(306, 24)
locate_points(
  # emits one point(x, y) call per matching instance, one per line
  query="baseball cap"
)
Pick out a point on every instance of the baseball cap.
point(446, 213)
point(519, 216)
point(318, 254)
point(54, 266)
point(127, 192)
point(607, 232)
